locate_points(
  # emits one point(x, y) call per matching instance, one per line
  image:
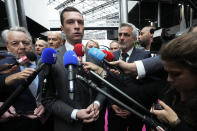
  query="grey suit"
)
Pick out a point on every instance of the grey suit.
point(57, 100)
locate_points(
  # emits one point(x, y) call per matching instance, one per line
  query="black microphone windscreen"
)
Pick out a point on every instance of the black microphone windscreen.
point(31, 56)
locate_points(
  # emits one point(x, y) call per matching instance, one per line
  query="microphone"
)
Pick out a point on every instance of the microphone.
point(79, 49)
point(70, 61)
point(148, 120)
point(109, 55)
point(103, 58)
point(70, 58)
point(48, 58)
point(29, 56)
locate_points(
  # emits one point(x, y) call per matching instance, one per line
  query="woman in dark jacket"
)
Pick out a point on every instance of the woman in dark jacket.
point(179, 104)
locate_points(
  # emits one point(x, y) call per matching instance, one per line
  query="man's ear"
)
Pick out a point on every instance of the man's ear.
point(62, 28)
point(7, 46)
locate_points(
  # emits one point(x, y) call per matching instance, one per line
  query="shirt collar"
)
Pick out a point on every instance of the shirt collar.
point(68, 46)
point(128, 52)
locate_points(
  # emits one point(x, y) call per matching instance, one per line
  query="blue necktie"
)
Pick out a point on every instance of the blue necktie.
point(34, 85)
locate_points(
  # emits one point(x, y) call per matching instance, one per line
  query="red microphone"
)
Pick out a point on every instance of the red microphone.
point(29, 56)
point(79, 50)
point(109, 56)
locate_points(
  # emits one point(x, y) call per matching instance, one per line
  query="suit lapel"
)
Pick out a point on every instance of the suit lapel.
point(117, 55)
point(61, 52)
point(133, 55)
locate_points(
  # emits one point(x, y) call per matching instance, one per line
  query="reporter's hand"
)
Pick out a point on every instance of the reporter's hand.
point(4, 69)
point(128, 68)
point(92, 66)
point(11, 79)
point(166, 115)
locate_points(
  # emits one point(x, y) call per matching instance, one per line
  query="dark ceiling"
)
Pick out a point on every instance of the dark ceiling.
point(146, 11)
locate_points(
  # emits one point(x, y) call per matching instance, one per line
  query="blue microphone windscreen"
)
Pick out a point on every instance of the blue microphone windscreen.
point(96, 54)
point(70, 58)
point(49, 56)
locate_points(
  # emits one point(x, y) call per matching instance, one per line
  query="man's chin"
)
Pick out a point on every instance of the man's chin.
point(122, 48)
point(77, 41)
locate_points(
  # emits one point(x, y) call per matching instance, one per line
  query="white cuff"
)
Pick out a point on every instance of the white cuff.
point(74, 114)
point(140, 69)
point(98, 103)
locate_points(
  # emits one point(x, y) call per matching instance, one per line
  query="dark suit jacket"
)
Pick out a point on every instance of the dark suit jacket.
point(152, 65)
point(125, 82)
point(57, 100)
point(131, 87)
point(25, 102)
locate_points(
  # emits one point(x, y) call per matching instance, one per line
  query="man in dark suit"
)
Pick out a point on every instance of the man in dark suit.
point(82, 112)
point(28, 105)
point(119, 118)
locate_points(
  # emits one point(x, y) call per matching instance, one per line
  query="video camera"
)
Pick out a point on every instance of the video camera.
point(161, 36)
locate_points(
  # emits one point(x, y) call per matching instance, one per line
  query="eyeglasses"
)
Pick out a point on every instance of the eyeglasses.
point(17, 43)
point(52, 39)
point(113, 48)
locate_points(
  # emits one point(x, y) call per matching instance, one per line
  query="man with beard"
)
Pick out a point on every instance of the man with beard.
point(146, 37)
point(119, 118)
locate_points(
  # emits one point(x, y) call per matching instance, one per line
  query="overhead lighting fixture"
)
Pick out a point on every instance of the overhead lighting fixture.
point(63, 4)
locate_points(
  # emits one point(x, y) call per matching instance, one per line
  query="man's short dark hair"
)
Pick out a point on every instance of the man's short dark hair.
point(67, 9)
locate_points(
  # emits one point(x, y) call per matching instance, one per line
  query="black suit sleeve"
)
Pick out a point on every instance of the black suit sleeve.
point(54, 104)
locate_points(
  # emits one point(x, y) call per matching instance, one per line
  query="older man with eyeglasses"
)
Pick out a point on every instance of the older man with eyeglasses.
point(27, 108)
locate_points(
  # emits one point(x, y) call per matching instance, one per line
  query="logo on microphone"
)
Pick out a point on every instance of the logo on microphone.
point(55, 56)
point(75, 55)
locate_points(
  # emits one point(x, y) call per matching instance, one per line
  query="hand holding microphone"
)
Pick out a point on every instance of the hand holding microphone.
point(11, 79)
point(128, 68)
point(4, 69)
point(48, 58)
point(29, 56)
point(8, 68)
point(103, 58)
